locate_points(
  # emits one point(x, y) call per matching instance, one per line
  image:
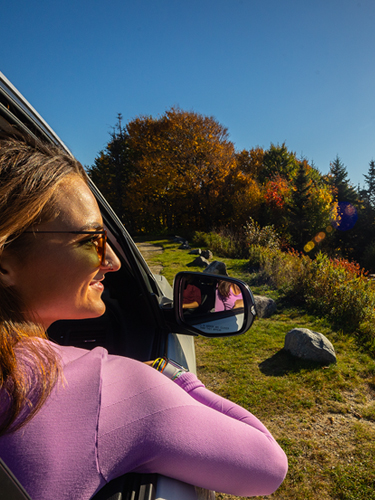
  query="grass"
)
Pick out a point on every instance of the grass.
point(323, 417)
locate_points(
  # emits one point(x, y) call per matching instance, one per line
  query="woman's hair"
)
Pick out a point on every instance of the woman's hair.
point(29, 176)
point(225, 287)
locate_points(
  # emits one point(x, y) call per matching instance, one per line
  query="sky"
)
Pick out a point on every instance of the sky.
point(270, 71)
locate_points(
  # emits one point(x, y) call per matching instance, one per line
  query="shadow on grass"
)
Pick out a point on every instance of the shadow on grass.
point(283, 363)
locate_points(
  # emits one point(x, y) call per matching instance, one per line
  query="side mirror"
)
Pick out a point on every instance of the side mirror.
point(213, 305)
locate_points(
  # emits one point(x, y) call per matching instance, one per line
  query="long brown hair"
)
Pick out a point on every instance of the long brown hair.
point(29, 368)
point(225, 287)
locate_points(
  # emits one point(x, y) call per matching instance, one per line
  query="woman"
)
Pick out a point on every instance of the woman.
point(71, 420)
point(228, 296)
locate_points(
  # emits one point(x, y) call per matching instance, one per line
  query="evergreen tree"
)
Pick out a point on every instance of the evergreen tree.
point(346, 238)
point(366, 222)
point(338, 178)
point(299, 208)
point(370, 181)
point(113, 169)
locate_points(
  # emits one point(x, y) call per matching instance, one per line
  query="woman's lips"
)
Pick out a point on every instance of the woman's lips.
point(97, 285)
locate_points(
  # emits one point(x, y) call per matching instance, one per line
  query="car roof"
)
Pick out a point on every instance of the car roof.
point(20, 114)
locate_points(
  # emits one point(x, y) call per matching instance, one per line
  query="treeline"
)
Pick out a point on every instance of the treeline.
point(180, 172)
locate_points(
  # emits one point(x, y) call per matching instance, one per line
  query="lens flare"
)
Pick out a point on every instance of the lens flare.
point(320, 237)
point(343, 216)
point(309, 246)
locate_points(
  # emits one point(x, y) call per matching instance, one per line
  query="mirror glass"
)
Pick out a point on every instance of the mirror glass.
point(213, 305)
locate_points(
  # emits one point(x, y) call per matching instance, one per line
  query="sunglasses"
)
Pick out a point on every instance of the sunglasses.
point(100, 241)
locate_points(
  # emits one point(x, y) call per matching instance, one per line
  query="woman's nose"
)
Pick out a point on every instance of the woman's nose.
point(112, 262)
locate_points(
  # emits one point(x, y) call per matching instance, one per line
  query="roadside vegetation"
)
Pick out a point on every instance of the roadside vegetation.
point(323, 417)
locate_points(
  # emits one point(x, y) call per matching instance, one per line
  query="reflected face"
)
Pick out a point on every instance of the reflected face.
point(61, 276)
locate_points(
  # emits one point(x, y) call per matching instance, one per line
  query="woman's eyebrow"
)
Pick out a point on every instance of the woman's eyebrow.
point(94, 226)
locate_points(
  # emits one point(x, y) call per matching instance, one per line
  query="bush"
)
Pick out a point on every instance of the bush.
point(285, 271)
point(341, 291)
point(263, 237)
point(224, 243)
point(238, 245)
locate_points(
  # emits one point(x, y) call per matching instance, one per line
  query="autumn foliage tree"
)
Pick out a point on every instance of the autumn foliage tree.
point(182, 161)
point(177, 171)
point(251, 162)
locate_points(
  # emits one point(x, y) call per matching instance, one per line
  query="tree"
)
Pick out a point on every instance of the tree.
point(338, 179)
point(365, 249)
point(173, 169)
point(370, 181)
point(278, 161)
point(344, 212)
point(251, 162)
point(299, 208)
point(113, 169)
point(276, 194)
point(242, 198)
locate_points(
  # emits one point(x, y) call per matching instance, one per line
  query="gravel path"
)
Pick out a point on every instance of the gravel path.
point(148, 252)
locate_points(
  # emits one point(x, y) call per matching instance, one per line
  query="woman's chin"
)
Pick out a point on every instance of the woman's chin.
point(93, 309)
point(98, 310)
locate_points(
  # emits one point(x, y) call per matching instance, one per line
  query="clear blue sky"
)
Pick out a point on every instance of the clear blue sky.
point(299, 71)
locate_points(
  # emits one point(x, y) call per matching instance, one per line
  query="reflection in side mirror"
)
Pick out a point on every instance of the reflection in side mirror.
point(213, 305)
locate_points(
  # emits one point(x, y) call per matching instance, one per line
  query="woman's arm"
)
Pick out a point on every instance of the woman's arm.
point(149, 423)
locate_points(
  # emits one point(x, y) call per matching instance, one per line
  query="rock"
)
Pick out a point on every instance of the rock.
point(196, 251)
point(264, 306)
point(185, 246)
point(207, 254)
point(178, 239)
point(216, 267)
point(305, 344)
point(199, 262)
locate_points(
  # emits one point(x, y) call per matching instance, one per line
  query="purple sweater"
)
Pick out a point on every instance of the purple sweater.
point(114, 415)
point(226, 303)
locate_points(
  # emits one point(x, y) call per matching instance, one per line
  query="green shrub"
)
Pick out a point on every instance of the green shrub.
point(223, 243)
point(238, 245)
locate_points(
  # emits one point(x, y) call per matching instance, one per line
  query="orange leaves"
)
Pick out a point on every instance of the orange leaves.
point(182, 160)
point(251, 162)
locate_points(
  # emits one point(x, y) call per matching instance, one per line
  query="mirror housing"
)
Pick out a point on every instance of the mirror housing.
point(213, 305)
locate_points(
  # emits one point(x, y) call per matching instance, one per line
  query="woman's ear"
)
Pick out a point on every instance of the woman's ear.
point(8, 267)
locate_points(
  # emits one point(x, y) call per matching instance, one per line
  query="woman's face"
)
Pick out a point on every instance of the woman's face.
point(61, 276)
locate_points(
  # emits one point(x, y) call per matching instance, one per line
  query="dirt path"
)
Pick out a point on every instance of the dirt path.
point(148, 252)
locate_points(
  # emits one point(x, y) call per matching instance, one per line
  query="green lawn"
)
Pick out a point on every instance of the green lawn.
point(323, 417)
